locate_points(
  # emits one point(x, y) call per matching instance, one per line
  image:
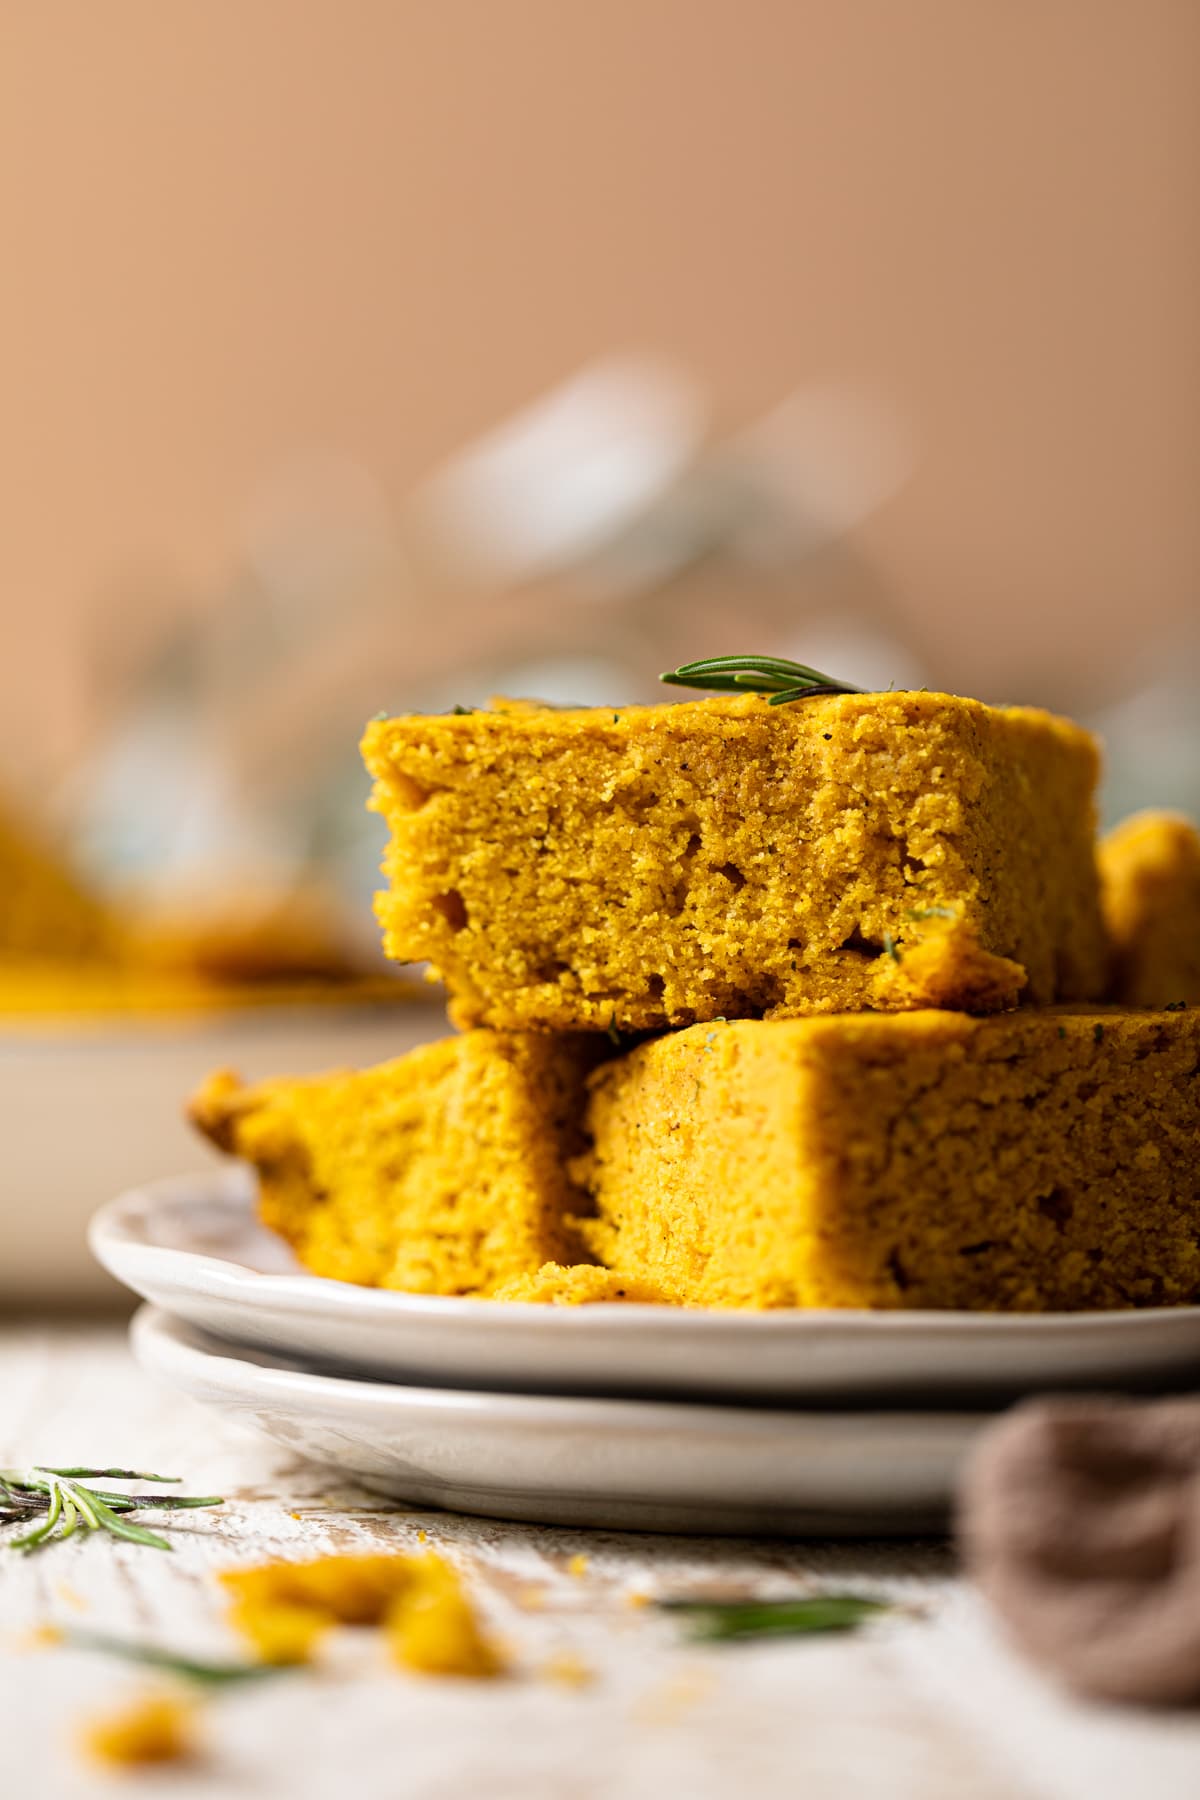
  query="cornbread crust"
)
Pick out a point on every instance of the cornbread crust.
point(442, 1172)
point(1031, 1161)
point(654, 866)
point(1150, 889)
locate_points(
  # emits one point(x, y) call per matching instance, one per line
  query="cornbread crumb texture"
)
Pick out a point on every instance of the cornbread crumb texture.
point(442, 1172)
point(1150, 886)
point(1035, 1160)
point(577, 1284)
point(650, 867)
point(284, 1610)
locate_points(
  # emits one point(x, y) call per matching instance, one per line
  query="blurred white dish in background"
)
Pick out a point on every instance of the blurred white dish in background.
point(92, 1106)
point(557, 1460)
point(565, 474)
point(194, 1246)
point(612, 476)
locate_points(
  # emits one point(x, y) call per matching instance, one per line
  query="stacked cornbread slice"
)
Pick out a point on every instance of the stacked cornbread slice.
point(867, 932)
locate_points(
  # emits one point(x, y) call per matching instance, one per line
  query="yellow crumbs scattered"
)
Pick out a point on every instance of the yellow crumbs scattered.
point(156, 1728)
point(578, 1566)
point(431, 1625)
point(569, 1670)
point(285, 1609)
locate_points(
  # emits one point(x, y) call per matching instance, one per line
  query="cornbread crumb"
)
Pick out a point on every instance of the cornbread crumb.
point(442, 1172)
point(285, 1608)
point(1150, 887)
point(1035, 1160)
point(579, 1566)
point(432, 1629)
point(569, 1670)
point(727, 858)
point(157, 1728)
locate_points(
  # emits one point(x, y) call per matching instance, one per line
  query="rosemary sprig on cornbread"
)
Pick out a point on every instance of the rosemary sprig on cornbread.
point(783, 680)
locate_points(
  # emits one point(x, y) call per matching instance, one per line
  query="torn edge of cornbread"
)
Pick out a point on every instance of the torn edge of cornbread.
point(1150, 891)
point(648, 867)
point(444, 1171)
point(1030, 1161)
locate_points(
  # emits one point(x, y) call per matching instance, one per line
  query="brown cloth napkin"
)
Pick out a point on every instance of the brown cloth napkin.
point(1080, 1521)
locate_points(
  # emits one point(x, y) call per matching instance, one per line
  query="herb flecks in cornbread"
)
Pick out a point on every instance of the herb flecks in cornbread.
point(645, 867)
point(443, 1172)
point(1150, 887)
point(1032, 1161)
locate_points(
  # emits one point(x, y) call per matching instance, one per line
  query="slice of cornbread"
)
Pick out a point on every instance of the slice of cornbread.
point(44, 910)
point(655, 866)
point(1036, 1160)
point(443, 1172)
point(1150, 888)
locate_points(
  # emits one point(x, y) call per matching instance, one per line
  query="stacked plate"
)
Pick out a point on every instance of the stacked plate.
point(643, 1417)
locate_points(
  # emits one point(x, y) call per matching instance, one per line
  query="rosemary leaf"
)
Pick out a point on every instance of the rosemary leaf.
point(56, 1502)
point(775, 676)
point(723, 1621)
point(208, 1674)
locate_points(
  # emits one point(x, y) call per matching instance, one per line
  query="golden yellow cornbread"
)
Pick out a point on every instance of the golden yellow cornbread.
point(44, 909)
point(442, 1172)
point(1036, 1160)
point(644, 867)
point(1150, 888)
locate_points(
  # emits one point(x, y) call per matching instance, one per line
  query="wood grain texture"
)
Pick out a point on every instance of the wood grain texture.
point(929, 1706)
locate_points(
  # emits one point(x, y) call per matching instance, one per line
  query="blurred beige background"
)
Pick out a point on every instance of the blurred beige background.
point(237, 229)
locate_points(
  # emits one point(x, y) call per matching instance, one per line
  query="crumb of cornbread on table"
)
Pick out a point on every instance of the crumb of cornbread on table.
point(441, 1172)
point(152, 1729)
point(284, 1609)
point(1150, 888)
point(569, 1670)
point(1029, 1161)
point(432, 1629)
point(636, 868)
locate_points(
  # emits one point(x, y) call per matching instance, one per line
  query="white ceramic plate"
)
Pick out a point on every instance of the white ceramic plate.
point(193, 1246)
point(622, 1464)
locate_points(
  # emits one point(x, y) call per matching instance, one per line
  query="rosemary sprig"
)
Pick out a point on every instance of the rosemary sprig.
point(189, 1668)
point(62, 1500)
point(774, 675)
point(722, 1621)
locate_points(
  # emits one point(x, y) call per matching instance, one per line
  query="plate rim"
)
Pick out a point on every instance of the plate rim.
point(501, 1406)
point(299, 1292)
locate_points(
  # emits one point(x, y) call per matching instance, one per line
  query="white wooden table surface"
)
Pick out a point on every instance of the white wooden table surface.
point(929, 1705)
